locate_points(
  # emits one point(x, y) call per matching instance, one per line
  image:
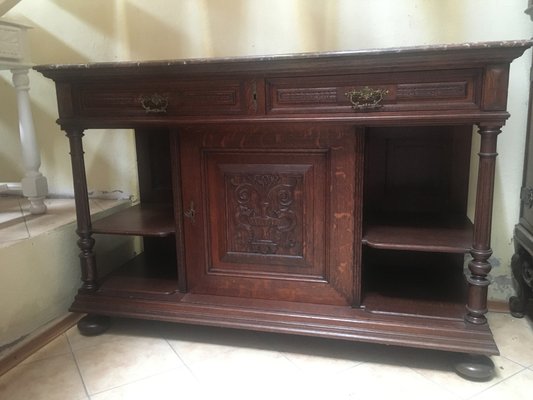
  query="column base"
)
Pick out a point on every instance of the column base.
point(35, 188)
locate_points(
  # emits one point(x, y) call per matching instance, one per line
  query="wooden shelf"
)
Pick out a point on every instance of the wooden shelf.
point(414, 284)
point(144, 276)
point(140, 220)
point(433, 233)
point(381, 302)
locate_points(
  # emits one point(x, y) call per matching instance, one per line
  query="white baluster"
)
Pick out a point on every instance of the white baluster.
point(34, 184)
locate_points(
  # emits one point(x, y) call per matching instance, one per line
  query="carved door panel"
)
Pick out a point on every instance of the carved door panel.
point(272, 213)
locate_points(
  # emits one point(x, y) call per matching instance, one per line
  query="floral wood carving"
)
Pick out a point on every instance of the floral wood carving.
point(265, 209)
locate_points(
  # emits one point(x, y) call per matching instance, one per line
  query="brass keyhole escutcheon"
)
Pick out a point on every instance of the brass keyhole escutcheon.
point(190, 213)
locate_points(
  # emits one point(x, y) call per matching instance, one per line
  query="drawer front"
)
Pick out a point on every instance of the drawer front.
point(421, 90)
point(160, 98)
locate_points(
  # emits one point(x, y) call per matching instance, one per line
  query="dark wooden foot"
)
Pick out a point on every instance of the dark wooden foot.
point(522, 268)
point(92, 325)
point(517, 307)
point(475, 367)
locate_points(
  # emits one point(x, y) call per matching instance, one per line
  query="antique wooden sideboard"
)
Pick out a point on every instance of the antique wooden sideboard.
point(316, 194)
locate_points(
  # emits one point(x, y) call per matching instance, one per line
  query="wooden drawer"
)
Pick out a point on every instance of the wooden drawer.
point(161, 98)
point(404, 91)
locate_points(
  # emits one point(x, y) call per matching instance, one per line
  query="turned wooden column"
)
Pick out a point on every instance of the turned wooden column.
point(480, 266)
point(83, 213)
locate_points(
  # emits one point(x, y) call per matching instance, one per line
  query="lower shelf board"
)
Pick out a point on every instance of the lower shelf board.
point(143, 277)
point(429, 285)
point(298, 318)
point(379, 303)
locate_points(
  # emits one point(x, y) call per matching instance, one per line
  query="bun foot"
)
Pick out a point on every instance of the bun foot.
point(92, 325)
point(475, 367)
point(517, 307)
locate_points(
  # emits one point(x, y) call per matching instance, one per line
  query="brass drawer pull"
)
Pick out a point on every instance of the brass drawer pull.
point(154, 103)
point(366, 98)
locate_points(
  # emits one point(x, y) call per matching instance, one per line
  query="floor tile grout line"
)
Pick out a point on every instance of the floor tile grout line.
point(434, 383)
point(124, 384)
point(182, 360)
point(27, 362)
point(284, 354)
point(514, 361)
point(78, 367)
point(87, 346)
point(496, 384)
point(134, 381)
point(292, 362)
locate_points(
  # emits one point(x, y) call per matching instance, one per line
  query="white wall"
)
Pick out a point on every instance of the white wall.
point(69, 31)
point(36, 287)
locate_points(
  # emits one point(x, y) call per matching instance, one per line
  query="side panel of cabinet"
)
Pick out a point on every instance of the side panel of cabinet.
point(527, 208)
point(273, 213)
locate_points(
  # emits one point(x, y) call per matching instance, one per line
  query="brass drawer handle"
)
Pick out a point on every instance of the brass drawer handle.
point(366, 98)
point(154, 103)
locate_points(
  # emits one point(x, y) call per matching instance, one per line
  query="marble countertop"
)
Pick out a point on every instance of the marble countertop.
point(439, 48)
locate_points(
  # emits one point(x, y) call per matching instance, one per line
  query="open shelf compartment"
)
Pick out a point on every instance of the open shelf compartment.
point(419, 232)
point(141, 220)
point(144, 276)
point(414, 283)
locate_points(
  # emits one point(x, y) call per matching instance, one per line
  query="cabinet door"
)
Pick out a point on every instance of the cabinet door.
point(272, 213)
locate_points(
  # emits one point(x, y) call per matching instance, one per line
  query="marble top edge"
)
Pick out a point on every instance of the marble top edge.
point(295, 56)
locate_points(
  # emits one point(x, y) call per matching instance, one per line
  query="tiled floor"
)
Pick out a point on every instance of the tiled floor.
point(155, 360)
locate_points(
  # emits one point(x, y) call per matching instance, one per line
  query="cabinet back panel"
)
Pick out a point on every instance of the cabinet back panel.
point(417, 169)
point(153, 162)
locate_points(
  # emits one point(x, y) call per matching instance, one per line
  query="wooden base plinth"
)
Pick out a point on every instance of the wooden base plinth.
point(356, 324)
